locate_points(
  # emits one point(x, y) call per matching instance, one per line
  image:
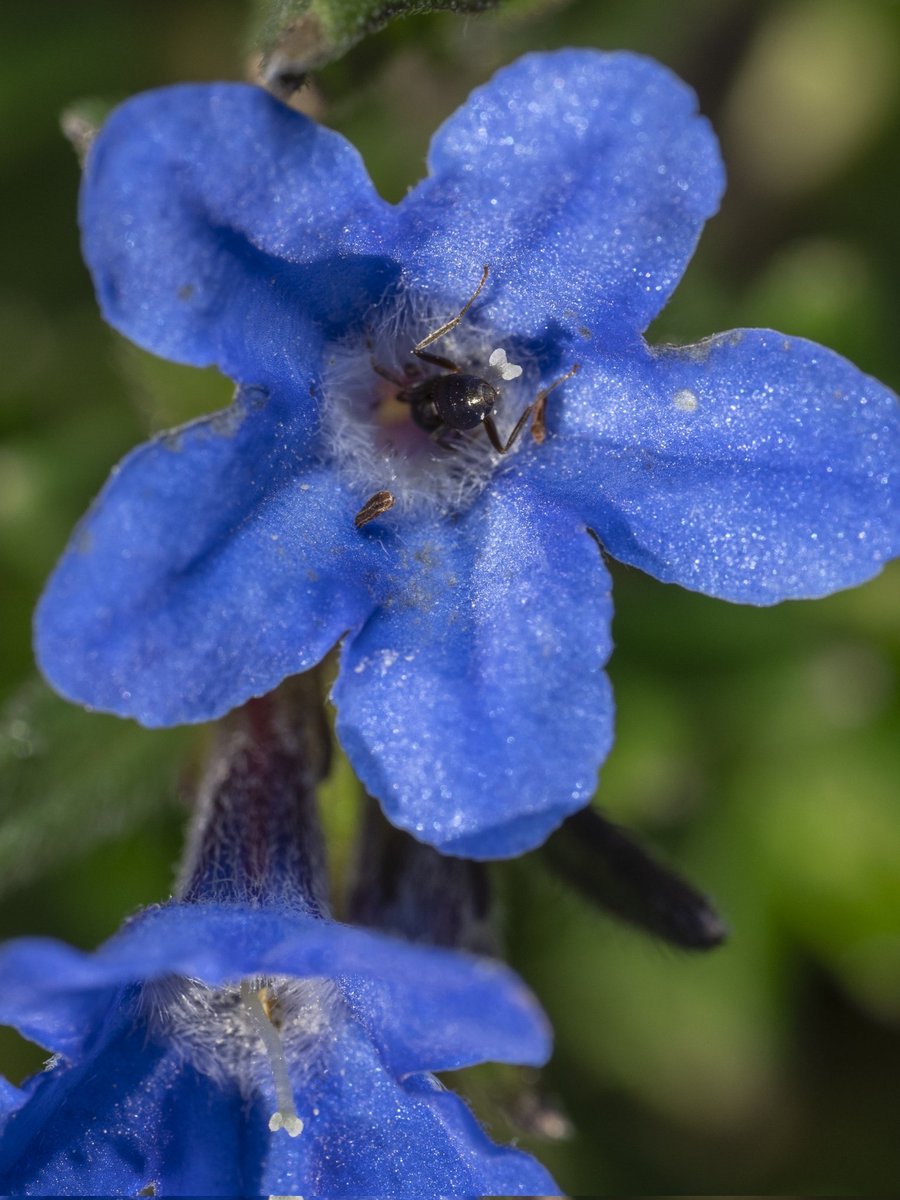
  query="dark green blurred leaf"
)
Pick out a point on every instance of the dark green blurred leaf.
point(164, 393)
point(340, 808)
point(829, 826)
point(74, 779)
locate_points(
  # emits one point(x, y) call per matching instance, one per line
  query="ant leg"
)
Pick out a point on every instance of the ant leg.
point(538, 426)
point(491, 430)
point(445, 328)
point(535, 410)
point(437, 360)
point(388, 375)
point(443, 437)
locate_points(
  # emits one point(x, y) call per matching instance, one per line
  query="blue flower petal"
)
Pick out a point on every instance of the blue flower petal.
point(442, 1023)
point(473, 704)
point(11, 1097)
point(430, 1009)
point(42, 1001)
point(136, 1111)
point(218, 559)
point(213, 217)
point(131, 1114)
point(582, 179)
point(501, 1171)
point(753, 467)
point(365, 1134)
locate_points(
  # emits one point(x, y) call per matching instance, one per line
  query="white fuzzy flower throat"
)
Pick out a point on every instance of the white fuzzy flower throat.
point(264, 1035)
point(371, 435)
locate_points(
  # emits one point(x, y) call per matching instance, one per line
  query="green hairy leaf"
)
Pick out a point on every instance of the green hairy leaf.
point(297, 36)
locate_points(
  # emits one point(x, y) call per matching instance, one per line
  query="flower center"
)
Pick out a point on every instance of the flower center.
point(260, 1034)
point(410, 427)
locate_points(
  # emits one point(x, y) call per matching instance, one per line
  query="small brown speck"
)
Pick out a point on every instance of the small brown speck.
point(186, 291)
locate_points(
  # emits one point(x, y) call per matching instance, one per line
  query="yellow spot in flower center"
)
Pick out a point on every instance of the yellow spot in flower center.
point(392, 412)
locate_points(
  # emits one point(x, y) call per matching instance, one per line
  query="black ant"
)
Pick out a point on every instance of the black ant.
point(456, 402)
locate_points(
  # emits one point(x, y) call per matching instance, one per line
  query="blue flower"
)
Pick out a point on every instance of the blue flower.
point(222, 228)
point(227, 1049)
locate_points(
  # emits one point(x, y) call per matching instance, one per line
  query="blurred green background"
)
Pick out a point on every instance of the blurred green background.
point(757, 750)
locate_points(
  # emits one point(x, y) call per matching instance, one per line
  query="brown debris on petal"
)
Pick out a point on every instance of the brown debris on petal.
point(373, 507)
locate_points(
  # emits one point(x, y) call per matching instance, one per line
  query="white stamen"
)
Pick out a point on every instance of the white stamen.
point(286, 1117)
point(505, 369)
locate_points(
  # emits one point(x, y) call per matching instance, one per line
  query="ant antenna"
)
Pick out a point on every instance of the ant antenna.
point(452, 324)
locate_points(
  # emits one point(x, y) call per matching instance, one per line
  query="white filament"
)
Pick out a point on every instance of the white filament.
point(286, 1116)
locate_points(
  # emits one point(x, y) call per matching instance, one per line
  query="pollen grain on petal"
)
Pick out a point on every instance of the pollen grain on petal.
point(685, 400)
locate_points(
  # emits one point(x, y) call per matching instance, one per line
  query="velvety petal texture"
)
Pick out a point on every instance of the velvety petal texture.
point(474, 702)
point(209, 214)
point(138, 1114)
point(583, 179)
point(11, 1097)
point(152, 1091)
point(409, 994)
point(131, 1115)
point(221, 227)
point(220, 558)
point(430, 1146)
point(751, 466)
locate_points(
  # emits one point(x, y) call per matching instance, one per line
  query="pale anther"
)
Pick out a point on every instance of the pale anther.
point(505, 369)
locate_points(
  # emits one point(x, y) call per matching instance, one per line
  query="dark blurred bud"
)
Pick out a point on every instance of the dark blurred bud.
point(606, 865)
point(406, 888)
